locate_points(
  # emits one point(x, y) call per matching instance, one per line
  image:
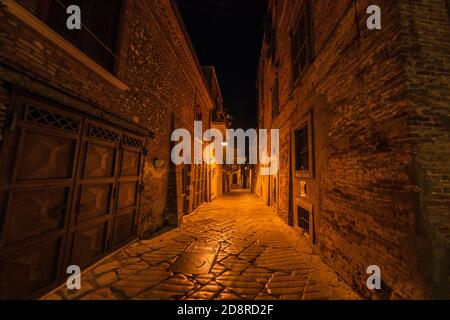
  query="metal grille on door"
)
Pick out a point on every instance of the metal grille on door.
point(69, 192)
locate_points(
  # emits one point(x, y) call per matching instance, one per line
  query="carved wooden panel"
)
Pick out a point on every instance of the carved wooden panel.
point(130, 163)
point(28, 270)
point(94, 201)
point(100, 161)
point(35, 212)
point(124, 227)
point(89, 244)
point(44, 156)
point(127, 195)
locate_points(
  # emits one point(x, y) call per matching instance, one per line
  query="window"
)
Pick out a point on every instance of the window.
point(447, 4)
point(302, 149)
point(98, 34)
point(275, 104)
point(303, 140)
point(303, 219)
point(302, 42)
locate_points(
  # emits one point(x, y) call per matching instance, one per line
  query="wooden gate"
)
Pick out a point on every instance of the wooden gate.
point(69, 193)
point(200, 185)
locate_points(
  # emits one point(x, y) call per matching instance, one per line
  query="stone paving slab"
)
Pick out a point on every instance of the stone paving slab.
point(259, 257)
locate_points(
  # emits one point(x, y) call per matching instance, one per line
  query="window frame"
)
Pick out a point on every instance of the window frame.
point(43, 15)
point(309, 173)
point(306, 12)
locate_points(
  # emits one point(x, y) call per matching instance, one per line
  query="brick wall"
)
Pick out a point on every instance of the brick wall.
point(380, 144)
point(155, 62)
point(426, 52)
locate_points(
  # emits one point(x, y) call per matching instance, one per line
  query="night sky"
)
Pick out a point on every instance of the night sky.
point(227, 34)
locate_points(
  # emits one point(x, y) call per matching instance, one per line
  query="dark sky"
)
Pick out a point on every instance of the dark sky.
point(228, 35)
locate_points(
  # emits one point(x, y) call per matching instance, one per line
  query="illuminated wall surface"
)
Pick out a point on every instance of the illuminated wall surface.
point(93, 205)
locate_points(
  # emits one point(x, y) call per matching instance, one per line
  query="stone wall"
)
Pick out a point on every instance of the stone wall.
point(370, 157)
point(155, 61)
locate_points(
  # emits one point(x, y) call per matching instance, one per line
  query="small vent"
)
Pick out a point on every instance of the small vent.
point(303, 219)
point(103, 133)
point(132, 142)
point(52, 119)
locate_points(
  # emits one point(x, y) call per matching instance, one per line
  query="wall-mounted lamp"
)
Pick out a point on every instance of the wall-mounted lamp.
point(224, 144)
point(158, 163)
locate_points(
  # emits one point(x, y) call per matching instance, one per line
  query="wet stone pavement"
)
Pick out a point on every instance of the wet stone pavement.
point(252, 253)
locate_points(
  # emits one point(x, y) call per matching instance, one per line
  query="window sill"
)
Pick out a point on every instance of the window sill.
point(304, 174)
point(28, 18)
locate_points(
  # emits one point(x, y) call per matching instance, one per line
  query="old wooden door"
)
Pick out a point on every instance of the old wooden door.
point(200, 185)
point(69, 194)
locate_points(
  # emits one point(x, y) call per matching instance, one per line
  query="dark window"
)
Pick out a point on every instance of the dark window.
point(302, 149)
point(98, 34)
point(303, 219)
point(302, 42)
point(447, 4)
point(275, 104)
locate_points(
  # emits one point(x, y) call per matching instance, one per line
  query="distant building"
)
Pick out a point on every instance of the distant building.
point(219, 120)
point(364, 137)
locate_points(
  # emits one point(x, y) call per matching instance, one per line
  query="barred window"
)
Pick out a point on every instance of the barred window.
point(303, 219)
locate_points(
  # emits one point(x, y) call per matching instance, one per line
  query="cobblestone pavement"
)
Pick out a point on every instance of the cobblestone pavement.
point(260, 257)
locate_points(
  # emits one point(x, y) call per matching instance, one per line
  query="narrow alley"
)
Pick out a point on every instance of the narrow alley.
point(259, 257)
